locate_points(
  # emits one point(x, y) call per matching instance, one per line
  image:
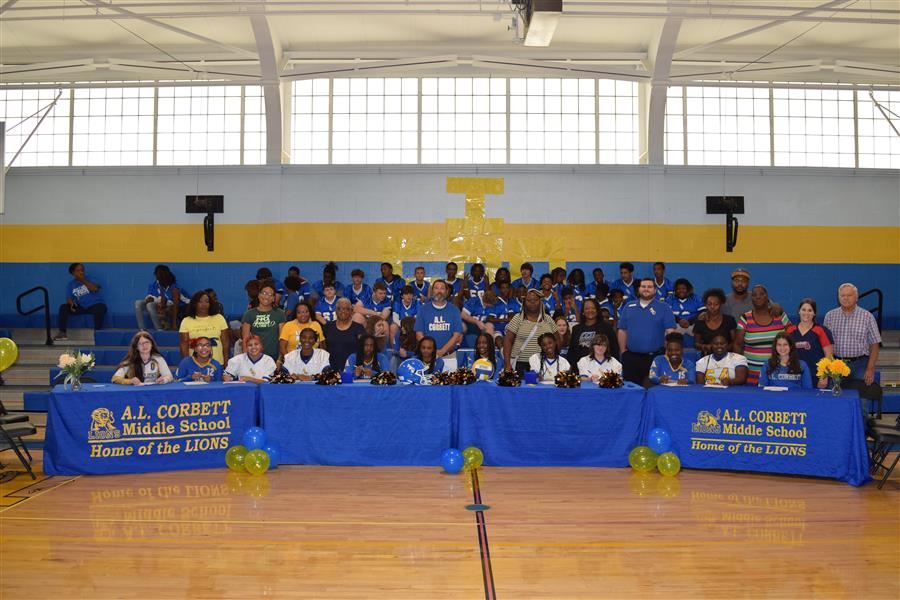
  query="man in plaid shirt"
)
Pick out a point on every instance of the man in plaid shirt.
point(856, 340)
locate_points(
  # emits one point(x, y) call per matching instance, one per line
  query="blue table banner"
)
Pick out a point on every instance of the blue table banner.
point(106, 428)
point(746, 429)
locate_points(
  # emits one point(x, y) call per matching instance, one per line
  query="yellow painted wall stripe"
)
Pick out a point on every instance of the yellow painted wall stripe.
point(464, 240)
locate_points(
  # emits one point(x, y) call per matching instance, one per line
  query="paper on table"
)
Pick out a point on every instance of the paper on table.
point(775, 388)
point(194, 382)
point(715, 385)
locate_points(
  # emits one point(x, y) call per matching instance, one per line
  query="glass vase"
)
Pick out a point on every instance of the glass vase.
point(73, 382)
point(836, 387)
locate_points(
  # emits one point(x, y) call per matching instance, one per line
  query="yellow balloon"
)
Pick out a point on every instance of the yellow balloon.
point(9, 352)
point(473, 457)
point(668, 464)
point(642, 459)
point(256, 462)
point(235, 457)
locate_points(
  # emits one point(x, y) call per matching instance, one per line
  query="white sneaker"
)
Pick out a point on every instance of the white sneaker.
point(60, 337)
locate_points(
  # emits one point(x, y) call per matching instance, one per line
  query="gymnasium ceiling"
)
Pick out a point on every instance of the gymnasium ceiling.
point(266, 41)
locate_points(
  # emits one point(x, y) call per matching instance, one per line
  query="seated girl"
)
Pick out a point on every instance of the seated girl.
point(143, 365)
point(200, 365)
point(254, 365)
point(381, 331)
point(366, 362)
point(427, 353)
point(721, 367)
point(307, 360)
point(672, 367)
point(406, 343)
point(548, 363)
point(563, 327)
point(598, 362)
point(485, 352)
point(785, 368)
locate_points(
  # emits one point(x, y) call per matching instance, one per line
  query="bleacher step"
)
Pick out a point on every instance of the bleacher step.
point(30, 336)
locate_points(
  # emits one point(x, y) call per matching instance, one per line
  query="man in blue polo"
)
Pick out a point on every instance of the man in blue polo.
point(643, 326)
point(441, 320)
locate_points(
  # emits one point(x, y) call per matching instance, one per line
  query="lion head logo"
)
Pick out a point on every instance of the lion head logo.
point(103, 424)
point(708, 419)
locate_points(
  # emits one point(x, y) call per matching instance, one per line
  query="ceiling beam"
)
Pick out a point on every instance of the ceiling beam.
point(656, 113)
point(359, 68)
point(269, 60)
point(559, 68)
point(7, 5)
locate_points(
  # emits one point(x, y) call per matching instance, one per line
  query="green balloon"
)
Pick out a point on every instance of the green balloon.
point(668, 464)
point(473, 457)
point(257, 462)
point(642, 459)
point(235, 457)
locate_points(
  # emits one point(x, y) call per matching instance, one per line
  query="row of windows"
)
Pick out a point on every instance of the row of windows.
point(453, 121)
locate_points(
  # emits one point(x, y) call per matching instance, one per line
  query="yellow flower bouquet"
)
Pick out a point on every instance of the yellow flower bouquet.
point(834, 368)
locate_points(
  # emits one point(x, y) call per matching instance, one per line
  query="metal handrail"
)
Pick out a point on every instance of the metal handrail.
point(45, 306)
point(879, 308)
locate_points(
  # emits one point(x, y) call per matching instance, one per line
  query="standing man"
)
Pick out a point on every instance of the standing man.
point(856, 340)
point(643, 327)
point(441, 320)
point(738, 301)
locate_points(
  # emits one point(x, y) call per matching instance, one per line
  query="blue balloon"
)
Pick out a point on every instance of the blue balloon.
point(274, 454)
point(452, 460)
point(658, 439)
point(255, 438)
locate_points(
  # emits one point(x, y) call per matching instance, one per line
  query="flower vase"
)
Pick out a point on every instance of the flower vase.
point(836, 386)
point(74, 382)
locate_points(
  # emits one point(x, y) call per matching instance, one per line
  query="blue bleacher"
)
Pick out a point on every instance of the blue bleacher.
point(120, 337)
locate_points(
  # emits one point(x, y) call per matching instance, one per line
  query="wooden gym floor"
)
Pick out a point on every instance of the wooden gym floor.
point(325, 532)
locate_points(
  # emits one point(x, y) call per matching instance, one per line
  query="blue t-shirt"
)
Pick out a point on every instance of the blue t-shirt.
point(439, 323)
point(438, 367)
point(498, 364)
point(421, 292)
point(401, 311)
point(156, 290)
point(363, 295)
point(781, 377)
point(664, 291)
point(646, 325)
point(290, 302)
point(188, 366)
point(377, 306)
point(591, 290)
point(476, 288)
point(394, 287)
point(82, 296)
point(627, 289)
point(475, 307)
point(319, 286)
point(661, 366)
point(327, 309)
point(687, 308)
point(380, 364)
point(531, 284)
point(503, 311)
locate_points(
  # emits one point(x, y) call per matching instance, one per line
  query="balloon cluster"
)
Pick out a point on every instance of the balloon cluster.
point(454, 461)
point(461, 376)
point(384, 378)
point(611, 379)
point(567, 379)
point(328, 377)
point(509, 379)
point(9, 352)
point(255, 456)
point(656, 454)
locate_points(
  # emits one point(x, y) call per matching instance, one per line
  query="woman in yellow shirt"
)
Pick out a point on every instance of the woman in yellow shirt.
point(289, 339)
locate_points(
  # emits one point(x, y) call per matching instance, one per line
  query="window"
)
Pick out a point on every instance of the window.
point(21, 110)
point(199, 125)
point(254, 126)
point(618, 118)
point(310, 139)
point(552, 121)
point(112, 126)
point(463, 120)
point(879, 143)
point(813, 128)
point(727, 126)
point(674, 134)
point(375, 121)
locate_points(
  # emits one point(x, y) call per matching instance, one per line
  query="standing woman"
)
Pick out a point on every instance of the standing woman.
point(756, 330)
point(520, 341)
point(82, 297)
point(266, 320)
point(813, 341)
point(200, 366)
point(714, 321)
point(203, 320)
point(583, 333)
point(143, 365)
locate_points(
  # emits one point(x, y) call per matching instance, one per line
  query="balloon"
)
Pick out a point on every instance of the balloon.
point(642, 459)
point(255, 438)
point(234, 458)
point(452, 460)
point(659, 440)
point(257, 462)
point(473, 457)
point(274, 454)
point(668, 464)
point(8, 353)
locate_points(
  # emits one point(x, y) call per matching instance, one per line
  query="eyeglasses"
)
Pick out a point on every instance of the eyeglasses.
point(266, 294)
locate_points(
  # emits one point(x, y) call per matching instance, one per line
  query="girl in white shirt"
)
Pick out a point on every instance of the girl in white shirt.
point(143, 365)
point(721, 367)
point(548, 363)
point(598, 361)
point(307, 360)
point(253, 366)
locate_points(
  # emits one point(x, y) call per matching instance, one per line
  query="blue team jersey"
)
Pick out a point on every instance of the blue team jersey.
point(437, 368)
point(661, 366)
point(379, 364)
point(455, 285)
point(363, 295)
point(475, 307)
point(289, 303)
point(82, 296)
point(627, 289)
point(377, 306)
point(421, 291)
point(401, 311)
point(573, 316)
point(504, 310)
point(189, 365)
point(394, 287)
point(439, 323)
point(156, 290)
point(319, 286)
point(326, 308)
point(549, 303)
point(664, 290)
point(476, 288)
point(688, 308)
point(498, 365)
point(614, 312)
point(597, 290)
point(781, 377)
point(531, 284)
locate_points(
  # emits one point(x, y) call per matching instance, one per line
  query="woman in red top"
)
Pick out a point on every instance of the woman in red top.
point(813, 341)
